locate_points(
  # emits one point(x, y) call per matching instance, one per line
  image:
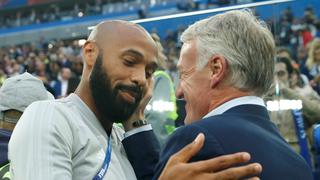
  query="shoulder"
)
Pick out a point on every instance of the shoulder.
point(205, 126)
point(186, 134)
point(49, 115)
point(51, 104)
point(50, 108)
point(45, 121)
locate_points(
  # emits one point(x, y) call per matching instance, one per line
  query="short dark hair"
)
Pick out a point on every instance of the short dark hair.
point(287, 62)
point(284, 49)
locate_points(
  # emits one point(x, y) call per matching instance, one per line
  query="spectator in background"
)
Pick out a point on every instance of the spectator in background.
point(40, 70)
point(318, 29)
point(77, 67)
point(292, 87)
point(16, 94)
point(287, 15)
point(313, 64)
point(64, 61)
point(68, 140)
point(72, 85)
point(302, 55)
point(306, 35)
point(300, 83)
point(2, 77)
point(285, 52)
point(30, 63)
point(189, 5)
point(161, 110)
point(60, 86)
point(53, 69)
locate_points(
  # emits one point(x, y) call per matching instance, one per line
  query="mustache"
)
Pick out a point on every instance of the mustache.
point(137, 90)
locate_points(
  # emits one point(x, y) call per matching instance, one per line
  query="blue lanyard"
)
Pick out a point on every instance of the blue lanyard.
point(102, 172)
point(302, 137)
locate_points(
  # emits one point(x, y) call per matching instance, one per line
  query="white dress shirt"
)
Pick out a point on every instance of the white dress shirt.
point(244, 100)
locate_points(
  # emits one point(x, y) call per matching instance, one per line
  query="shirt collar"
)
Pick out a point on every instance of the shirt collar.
point(253, 100)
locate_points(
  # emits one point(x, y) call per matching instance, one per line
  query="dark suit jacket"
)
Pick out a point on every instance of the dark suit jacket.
point(143, 153)
point(241, 128)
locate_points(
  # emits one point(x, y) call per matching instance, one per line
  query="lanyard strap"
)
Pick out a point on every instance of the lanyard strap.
point(102, 172)
point(301, 134)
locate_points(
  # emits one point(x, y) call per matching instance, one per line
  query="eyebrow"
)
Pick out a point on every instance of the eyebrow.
point(153, 65)
point(134, 53)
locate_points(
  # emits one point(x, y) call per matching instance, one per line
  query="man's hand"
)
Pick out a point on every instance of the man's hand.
point(139, 113)
point(215, 169)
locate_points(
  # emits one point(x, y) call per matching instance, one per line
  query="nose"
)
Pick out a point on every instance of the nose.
point(139, 78)
point(179, 92)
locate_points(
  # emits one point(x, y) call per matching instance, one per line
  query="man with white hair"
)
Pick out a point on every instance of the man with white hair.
point(226, 64)
point(77, 137)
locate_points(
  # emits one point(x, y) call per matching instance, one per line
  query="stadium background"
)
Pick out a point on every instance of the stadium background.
point(44, 37)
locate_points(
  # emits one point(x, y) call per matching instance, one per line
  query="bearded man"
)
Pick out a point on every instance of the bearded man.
point(77, 137)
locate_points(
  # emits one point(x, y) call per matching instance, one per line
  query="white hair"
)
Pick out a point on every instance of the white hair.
point(245, 42)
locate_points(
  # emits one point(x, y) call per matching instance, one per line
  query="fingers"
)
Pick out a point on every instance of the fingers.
point(222, 162)
point(239, 172)
point(185, 154)
point(254, 178)
point(147, 95)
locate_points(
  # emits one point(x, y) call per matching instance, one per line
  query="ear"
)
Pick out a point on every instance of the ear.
point(90, 53)
point(218, 68)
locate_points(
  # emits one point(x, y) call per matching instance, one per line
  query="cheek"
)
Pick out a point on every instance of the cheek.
point(194, 94)
point(188, 89)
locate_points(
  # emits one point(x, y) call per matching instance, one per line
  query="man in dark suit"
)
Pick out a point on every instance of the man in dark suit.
point(226, 64)
point(117, 74)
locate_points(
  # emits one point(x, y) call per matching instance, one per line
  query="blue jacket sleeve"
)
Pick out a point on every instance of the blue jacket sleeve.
point(183, 136)
point(143, 153)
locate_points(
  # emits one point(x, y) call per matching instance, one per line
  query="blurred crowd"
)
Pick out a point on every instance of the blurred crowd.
point(298, 40)
point(59, 65)
point(62, 11)
point(60, 60)
point(68, 10)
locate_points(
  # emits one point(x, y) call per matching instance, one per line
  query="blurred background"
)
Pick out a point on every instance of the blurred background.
point(44, 38)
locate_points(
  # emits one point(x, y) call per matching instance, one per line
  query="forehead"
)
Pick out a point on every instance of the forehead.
point(188, 55)
point(131, 38)
point(280, 66)
point(284, 54)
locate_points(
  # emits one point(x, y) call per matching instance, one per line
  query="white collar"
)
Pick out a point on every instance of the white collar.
point(235, 102)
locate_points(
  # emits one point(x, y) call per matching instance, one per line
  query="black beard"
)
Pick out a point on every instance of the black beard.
point(109, 104)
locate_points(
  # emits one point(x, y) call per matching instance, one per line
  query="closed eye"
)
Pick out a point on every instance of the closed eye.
point(129, 63)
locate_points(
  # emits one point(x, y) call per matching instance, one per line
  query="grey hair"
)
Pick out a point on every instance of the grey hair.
point(244, 41)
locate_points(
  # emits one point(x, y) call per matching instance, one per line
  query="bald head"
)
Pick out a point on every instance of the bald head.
point(120, 58)
point(119, 43)
point(110, 31)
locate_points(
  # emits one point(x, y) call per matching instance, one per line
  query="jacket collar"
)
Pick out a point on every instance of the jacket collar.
point(229, 105)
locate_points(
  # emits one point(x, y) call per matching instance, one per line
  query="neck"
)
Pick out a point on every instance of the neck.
point(84, 92)
point(224, 95)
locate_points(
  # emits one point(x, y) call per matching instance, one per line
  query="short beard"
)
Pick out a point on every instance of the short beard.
point(108, 103)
